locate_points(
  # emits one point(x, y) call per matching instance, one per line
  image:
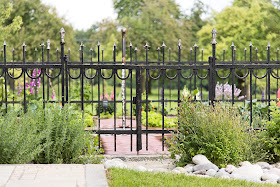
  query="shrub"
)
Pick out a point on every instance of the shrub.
point(273, 134)
point(155, 120)
point(50, 135)
point(218, 133)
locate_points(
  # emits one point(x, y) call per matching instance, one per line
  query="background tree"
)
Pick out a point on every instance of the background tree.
point(40, 22)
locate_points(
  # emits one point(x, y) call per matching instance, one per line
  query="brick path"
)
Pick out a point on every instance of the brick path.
point(124, 141)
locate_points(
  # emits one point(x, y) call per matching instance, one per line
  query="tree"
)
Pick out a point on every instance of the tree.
point(40, 22)
point(13, 27)
point(244, 21)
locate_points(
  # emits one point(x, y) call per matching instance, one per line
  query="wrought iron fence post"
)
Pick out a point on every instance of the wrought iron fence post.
point(268, 79)
point(6, 77)
point(212, 73)
point(62, 42)
point(123, 81)
point(82, 77)
point(138, 110)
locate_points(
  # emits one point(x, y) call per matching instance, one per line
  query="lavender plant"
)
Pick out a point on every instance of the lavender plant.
point(224, 91)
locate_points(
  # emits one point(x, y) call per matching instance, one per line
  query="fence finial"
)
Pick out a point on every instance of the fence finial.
point(69, 49)
point(135, 49)
point(191, 49)
point(82, 44)
point(180, 43)
point(36, 49)
point(277, 48)
point(158, 49)
point(123, 30)
point(146, 45)
point(57, 49)
point(98, 43)
point(234, 48)
point(4, 44)
point(113, 45)
point(201, 49)
point(224, 49)
point(163, 44)
point(232, 45)
point(23, 45)
point(13, 49)
point(214, 33)
point(245, 49)
point(130, 44)
point(256, 49)
point(251, 45)
point(91, 49)
point(42, 44)
point(48, 44)
point(62, 35)
point(268, 45)
point(195, 45)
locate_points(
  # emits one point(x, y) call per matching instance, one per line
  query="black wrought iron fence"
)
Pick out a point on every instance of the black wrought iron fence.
point(141, 89)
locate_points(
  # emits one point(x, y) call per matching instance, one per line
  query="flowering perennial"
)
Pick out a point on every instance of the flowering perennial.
point(225, 91)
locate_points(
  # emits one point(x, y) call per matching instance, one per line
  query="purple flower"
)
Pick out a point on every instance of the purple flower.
point(225, 91)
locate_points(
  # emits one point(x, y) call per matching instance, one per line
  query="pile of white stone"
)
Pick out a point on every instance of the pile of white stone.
point(261, 172)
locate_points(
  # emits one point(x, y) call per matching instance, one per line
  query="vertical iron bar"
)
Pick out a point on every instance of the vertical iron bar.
point(24, 78)
point(91, 80)
point(68, 91)
point(158, 49)
point(256, 74)
point(131, 109)
point(138, 111)
point(147, 95)
point(6, 77)
point(62, 42)
point(268, 78)
point(212, 68)
point(114, 72)
point(277, 72)
point(48, 70)
point(13, 79)
point(195, 71)
point(251, 72)
point(82, 77)
point(98, 91)
point(169, 79)
point(58, 87)
point(179, 76)
point(245, 59)
point(123, 81)
point(162, 97)
point(223, 96)
point(232, 73)
point(190, 86)
point(201, 93)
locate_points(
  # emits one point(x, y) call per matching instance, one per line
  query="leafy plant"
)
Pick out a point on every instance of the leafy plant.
point(273, 134)
point(219, 133)
point(259, 112)
point(50, 135)
point(155, 120)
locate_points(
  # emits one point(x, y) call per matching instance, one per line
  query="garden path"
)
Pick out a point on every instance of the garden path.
point(123, 142)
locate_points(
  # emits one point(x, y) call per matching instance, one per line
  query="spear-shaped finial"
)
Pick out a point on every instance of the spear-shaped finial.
point(48, 44)
point(251, 45)
point(245, 49)
point(23, 45)
point(36, 49)
point(42, 44)
point(163, 44)
point(201, 49)
point(195, 45)
point(130, 44)
point(57, 49)
point(268, 45)
point(135, 49)
point(91, 49)
point(232, 45)
point(4, 44)
point(158, 49)
point(69, 49)
point(224, 49)
point(62, 35)
point(146, 45)
point(256, 49)
point(277, 48)
point(82, 44)
point(214, 33)
point(98, 44)
point(180, 43)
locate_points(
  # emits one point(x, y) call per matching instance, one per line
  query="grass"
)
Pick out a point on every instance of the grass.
point(126, 177)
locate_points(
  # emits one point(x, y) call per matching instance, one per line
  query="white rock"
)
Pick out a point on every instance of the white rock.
point(211, 172)
point(189, 168)
point(222, 175)
point(222, 170)
point(230, 168)
point(200, 159)
point(114, 163)
point(179, 170)
point(264, 165)
point(200, 172)
point(277, 165)
point(245, 163)
point(141, 168)
point(251, 171)
point(205, 167)
point(272, 178)
point(274, 171)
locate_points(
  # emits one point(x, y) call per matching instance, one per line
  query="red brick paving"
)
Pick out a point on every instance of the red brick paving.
point(123, 142)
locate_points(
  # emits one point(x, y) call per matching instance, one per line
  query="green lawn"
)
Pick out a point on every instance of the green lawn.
point(125, 177)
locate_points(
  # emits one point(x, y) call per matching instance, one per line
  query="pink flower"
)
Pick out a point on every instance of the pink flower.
point(112, 95)
point(53, 94)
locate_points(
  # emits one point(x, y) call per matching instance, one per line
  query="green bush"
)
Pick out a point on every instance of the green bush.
point(50, 135)
point(155, 120)
point(273, 135)
point(218, 133)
